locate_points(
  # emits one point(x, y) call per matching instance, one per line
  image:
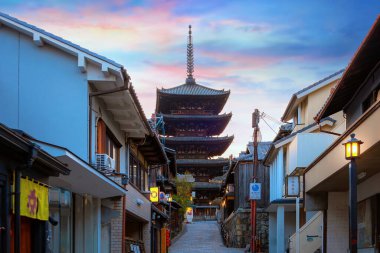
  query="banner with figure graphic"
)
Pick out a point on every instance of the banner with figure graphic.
point(34, 200)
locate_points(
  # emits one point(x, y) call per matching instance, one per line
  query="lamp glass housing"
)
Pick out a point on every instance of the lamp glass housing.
point(352, 148)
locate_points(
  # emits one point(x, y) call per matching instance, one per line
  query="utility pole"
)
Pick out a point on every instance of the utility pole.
point(255, 126)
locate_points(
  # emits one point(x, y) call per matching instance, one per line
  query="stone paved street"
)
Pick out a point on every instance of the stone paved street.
point(201, 237)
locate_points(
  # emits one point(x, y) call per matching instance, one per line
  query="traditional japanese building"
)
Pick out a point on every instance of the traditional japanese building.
point(192, 125)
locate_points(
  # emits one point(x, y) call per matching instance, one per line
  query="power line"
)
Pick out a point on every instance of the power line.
point(269, 126)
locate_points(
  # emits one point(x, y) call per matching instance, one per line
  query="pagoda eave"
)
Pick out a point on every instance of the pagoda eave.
point(215, 123)
point(203, 162)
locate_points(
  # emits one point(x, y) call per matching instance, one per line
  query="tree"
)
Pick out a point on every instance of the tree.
point(183, 196)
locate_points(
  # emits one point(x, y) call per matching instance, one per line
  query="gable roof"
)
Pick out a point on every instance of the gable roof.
point(362, 64)
point(300, 95)
point(262, 150)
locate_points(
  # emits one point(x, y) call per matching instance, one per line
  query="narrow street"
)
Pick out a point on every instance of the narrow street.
point(201, 237)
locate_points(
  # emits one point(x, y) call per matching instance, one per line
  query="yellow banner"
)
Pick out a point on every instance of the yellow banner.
point(153, 194)
point(34, 200)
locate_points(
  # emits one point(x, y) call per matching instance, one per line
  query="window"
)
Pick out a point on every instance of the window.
point(138, 174)
point(367, 222)
point(371, 99)
point(107, 143)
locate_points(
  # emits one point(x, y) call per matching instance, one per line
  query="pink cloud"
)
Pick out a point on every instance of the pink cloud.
point(100, 29)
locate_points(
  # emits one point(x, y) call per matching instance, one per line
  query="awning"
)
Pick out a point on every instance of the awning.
point(83, 179)
point(159, 212)
point(289, 205)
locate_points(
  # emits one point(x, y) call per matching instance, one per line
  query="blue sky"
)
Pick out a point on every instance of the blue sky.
point(263, 51)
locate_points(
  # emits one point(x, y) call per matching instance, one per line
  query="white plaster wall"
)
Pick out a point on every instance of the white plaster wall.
point(337, 222)
point(276, 179)
point(290, 227)
point(44, 92)
point(306, 147)
point(272, 232)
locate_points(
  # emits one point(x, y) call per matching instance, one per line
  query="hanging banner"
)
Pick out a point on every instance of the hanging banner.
point(154, 194)
point(34, 200)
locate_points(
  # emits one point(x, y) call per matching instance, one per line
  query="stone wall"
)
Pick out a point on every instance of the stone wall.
point(237, 229)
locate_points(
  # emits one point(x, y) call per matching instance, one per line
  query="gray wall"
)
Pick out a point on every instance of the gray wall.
point(243, 177)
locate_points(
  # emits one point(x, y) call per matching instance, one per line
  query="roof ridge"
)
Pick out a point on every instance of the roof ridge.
point(320, 81)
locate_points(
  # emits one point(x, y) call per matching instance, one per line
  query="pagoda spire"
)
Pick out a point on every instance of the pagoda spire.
point(190, 59)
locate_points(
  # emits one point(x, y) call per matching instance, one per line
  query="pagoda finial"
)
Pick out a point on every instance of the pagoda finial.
point(190, 59)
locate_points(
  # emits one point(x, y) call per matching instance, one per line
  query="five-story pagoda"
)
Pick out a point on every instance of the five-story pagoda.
point(192, 125)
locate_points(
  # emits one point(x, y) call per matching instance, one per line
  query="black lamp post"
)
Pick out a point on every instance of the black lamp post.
point(352, 151)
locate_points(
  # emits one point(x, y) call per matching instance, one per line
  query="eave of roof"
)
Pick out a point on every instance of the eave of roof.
point(308, 128)
point(365, 59)
point(199, 139)
point(300, 95)
point(20, 141)
point(288, 138)
point(219, 161)
point(197, 117)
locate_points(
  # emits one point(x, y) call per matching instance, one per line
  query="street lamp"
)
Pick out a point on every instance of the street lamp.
point(352, 151)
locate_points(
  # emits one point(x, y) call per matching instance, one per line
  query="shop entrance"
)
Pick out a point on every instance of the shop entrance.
point(3, 214)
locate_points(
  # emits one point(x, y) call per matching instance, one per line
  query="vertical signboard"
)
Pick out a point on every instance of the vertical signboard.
point(292, 186)
point(154, 194)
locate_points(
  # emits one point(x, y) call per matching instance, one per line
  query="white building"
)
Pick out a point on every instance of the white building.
point(296, 145)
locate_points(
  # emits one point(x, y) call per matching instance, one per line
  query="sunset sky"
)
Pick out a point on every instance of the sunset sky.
point(263, 51)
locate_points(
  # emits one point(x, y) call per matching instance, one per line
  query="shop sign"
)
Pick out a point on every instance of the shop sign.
point(255, 191)
point(153, 194)
point(34, 199)
point(163, 196)
point(292, 186)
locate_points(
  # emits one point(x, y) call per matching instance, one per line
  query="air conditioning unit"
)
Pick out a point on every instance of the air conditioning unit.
point(104, 162)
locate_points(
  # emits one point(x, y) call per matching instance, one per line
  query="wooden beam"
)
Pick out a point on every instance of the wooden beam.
point(82, 65)
point(37, 40)
point(105, 69)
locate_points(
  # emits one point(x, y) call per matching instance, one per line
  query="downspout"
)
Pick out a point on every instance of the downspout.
point(99, 93)
point(32, 157)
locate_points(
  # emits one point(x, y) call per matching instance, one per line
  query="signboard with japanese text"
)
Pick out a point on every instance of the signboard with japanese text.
point(292, 186)
point(34, 199)
point(154, 194)
point(255, 191)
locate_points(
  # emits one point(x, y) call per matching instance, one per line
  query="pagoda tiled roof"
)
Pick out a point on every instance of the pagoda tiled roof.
point(197, 117)
point(193, 89)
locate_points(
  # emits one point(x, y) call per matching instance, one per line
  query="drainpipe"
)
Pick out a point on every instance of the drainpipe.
point(99, 93)
point(17, 236)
